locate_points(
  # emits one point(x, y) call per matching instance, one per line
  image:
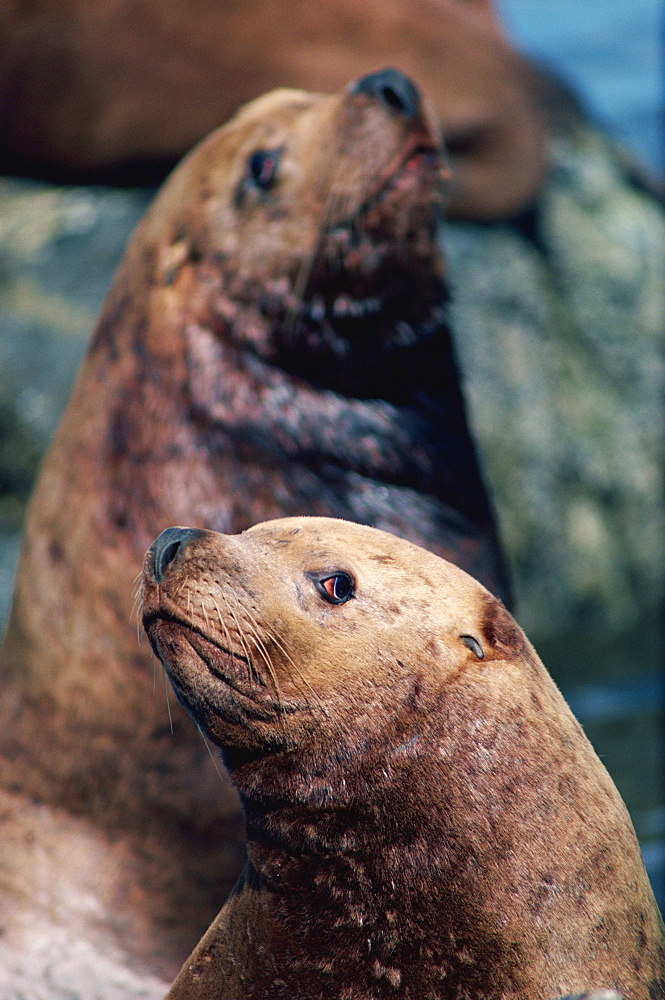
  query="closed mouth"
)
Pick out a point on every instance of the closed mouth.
point(213, 654)
point(417, 160)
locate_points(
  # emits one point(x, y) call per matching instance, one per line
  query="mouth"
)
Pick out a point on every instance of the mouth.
point(168, 633)
point(368, 262)
point(417, 167)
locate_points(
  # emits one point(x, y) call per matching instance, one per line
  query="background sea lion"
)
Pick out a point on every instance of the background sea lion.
point(424, 815)
point(274, 342)
point(101, 90)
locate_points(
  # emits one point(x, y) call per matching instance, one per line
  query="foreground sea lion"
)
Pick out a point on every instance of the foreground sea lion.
point(139, 83)
point(274, 343)
point(425, 817)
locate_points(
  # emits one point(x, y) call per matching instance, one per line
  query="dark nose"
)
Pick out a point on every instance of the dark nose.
point(167, 546)
point(392, 88)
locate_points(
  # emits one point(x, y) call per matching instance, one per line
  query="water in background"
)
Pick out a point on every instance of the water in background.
point(611, 52)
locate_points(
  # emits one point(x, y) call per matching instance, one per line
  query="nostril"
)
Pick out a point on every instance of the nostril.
point(166, 556)
point(166, 547)
point(392, 98)
point(392, 89)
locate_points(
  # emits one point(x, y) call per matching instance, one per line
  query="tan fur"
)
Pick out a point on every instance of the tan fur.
point(422, 822)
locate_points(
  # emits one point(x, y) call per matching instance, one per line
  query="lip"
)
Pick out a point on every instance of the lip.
point(207, 649)
point(417, 156)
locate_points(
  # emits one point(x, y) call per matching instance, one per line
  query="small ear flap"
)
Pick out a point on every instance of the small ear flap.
point(472, 643)
point(500, 628)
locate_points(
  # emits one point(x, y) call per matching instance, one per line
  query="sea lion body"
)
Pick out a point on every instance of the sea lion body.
point(131, 101)
point(274, 343)
point(425, 817)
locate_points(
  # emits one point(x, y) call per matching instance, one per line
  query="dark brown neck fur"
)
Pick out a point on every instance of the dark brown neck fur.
point(317, 420)
point(409, 858)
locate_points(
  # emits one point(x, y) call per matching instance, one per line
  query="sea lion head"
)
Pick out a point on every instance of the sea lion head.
point(310, 224)
point(316, 621)
point(399, 749)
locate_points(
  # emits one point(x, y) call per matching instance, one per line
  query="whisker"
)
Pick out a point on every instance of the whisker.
point(204, 611)
point(137, 594)
point(136, 585)
point(255, 635)
point(223, 625)
point(212, 756)
point(330, 208)
point(241, 637)
point(168, 703)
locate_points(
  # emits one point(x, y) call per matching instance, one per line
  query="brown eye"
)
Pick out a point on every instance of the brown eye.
point(336, 588)
point(473, 645)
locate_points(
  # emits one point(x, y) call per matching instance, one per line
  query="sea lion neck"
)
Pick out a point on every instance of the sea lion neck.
point(381, 335)
point(391, 870)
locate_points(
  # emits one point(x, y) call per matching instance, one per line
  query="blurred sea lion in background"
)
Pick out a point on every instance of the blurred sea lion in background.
point(275, 342)
point(558, 301)
point(96, 90)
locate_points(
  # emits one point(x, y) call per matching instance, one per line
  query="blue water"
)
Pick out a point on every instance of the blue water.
point(612, 53)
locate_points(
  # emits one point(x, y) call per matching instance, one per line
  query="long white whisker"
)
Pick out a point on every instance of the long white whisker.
point(255, 635)
point(241, 635)
point(212, 756)
point(168, 703)
point(223, 625)
point(331, 204)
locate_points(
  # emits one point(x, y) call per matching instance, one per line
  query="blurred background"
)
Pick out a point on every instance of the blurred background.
point(574, 465)
point(611, 53)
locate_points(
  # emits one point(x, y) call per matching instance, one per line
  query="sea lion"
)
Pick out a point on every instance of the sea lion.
point(139, 83)
point(274, 343)
point(424, 815)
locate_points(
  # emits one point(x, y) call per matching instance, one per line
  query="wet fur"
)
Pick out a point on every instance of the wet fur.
point(420, 822)
point(241, 369)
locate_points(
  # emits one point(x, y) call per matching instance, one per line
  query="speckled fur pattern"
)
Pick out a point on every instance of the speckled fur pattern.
point(424, 816)
point(274, 343)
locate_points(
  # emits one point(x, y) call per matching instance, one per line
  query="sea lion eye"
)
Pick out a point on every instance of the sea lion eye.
point(262, 168)
point(473, 645)
point(336, 588)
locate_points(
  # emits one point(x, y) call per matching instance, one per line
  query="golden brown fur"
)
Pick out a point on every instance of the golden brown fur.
point(425, 818)
point(100, 88)
point(271, 345)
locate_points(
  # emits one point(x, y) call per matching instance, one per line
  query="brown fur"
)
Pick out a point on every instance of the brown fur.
point(421, 822)
point(106, 89)
point(226, 383)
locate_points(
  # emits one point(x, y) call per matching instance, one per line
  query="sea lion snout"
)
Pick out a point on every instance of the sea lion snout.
point(166, 547)
point(392, 88)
